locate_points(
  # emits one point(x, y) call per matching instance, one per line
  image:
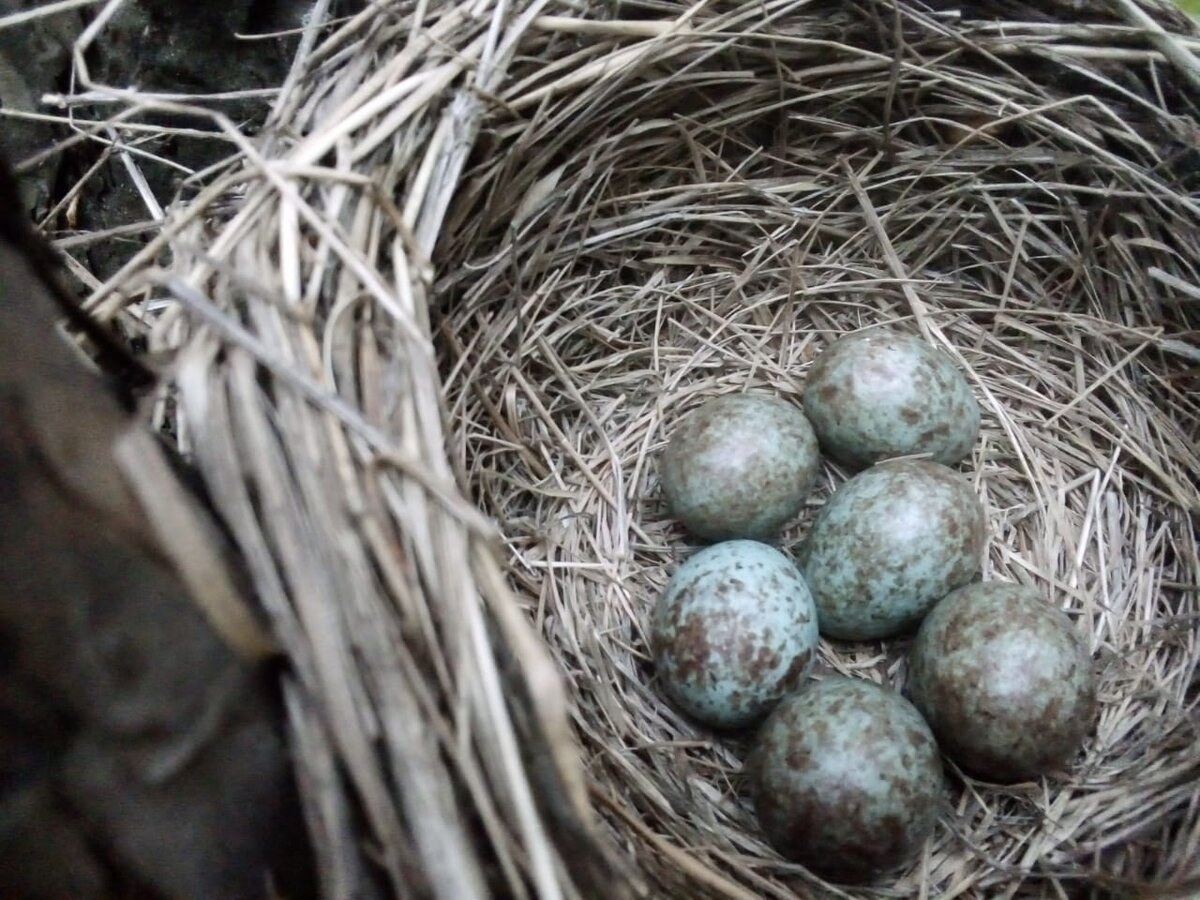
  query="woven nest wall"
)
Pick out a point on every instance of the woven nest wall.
point(430, 330)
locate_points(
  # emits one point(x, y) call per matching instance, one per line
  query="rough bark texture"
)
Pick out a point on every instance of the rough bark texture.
point(171, 46)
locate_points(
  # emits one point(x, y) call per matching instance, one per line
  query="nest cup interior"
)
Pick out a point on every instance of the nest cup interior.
point(707, 222)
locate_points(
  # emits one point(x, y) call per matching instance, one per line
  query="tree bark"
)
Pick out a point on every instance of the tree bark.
point(137, 749)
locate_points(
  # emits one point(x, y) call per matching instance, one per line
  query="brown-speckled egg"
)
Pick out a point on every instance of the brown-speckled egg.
point(846, 779)
point(880, 394)
point(1005, 681)
point(734, 631)
point(890, 543)
point(739, 466)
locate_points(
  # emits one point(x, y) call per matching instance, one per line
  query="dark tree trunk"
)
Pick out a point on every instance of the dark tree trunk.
point(137, 750)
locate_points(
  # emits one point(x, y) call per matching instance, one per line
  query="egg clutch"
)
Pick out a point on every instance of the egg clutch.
point(846, 776)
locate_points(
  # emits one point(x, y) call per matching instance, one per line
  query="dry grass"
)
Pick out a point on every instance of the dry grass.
point(493, 251)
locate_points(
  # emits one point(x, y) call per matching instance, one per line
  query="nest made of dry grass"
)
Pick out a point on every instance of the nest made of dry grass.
point(430, 328)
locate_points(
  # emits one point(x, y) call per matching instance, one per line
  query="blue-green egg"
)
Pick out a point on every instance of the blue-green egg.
point(734, 632)
point(890, 543)
point(881, 394)
point(739, 466)
point(846, 779)
point(1005, 681)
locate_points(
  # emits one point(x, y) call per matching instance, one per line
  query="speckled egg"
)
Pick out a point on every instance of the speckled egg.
point(739, 466)
point(1005, 681)
point(880, 394)
point(734, 631)
point(846, 779)
point(890, 543)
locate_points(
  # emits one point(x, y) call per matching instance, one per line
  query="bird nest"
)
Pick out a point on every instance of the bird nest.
point(430, 327)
